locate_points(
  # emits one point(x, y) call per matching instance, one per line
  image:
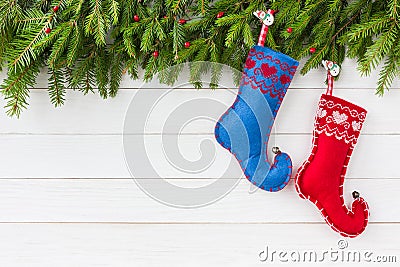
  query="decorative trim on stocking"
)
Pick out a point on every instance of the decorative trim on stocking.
point(278, 79)
point(340, 119)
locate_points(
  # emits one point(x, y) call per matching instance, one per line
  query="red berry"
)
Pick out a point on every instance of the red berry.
point(312, 50)
point(187, 44)
point(220, 14)
point(289, 30)
point(47, 30)
point(182, 21)
point(55, 8)
point(136, 18)
point(155, 54)
point(165, 17)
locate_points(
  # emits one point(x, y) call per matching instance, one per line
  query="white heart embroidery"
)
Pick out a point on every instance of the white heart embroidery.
point(356, 126)
point(339, 118)
point(321, 113)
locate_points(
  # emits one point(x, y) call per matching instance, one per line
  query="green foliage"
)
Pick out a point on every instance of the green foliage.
point(94, 42)
point(16, 86)
point(56, 87)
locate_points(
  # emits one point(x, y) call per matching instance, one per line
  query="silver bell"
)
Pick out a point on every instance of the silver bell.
point(355, 194)
point(276, 150)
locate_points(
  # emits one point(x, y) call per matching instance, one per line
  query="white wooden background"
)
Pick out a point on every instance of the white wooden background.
point(67, 199)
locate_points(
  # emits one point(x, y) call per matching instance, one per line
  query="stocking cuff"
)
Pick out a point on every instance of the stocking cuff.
point(339, 118)
point(269, 71)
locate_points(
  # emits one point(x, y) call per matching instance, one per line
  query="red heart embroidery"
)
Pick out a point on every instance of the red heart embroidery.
point(267, 70)
point(250, 63)
point(285, 79)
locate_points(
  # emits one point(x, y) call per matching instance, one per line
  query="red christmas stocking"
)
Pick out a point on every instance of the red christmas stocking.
point(320, 179)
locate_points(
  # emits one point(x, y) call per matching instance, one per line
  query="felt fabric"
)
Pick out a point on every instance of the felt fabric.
point(245, 127)
point(320, 179)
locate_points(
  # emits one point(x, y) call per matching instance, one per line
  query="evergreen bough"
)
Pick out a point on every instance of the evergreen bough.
point(92, 43)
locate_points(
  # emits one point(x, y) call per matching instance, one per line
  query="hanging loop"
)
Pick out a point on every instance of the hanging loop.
point(333, 70)
point(267, 19)
point(329, 90)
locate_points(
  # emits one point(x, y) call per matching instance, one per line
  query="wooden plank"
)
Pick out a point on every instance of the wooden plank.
point(121, 200)
point(349, 78)
point(93, 115)
point(182, 245)
point(101, 156)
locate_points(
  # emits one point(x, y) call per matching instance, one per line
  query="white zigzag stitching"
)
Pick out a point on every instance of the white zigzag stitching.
point(339, 119)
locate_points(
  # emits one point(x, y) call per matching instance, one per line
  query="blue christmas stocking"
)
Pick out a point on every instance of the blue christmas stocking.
point(245, 127)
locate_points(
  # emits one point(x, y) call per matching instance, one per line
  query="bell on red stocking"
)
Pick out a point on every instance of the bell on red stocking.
point(320, 179)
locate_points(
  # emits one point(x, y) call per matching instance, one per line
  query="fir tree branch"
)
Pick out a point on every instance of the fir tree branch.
point(376, 52)
point(28, 52)
point(114, 10)
point(117, 68)
point(15, 87)
point(77, 52)
point(387, 75)
point(97, 23)
point(56, 87)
